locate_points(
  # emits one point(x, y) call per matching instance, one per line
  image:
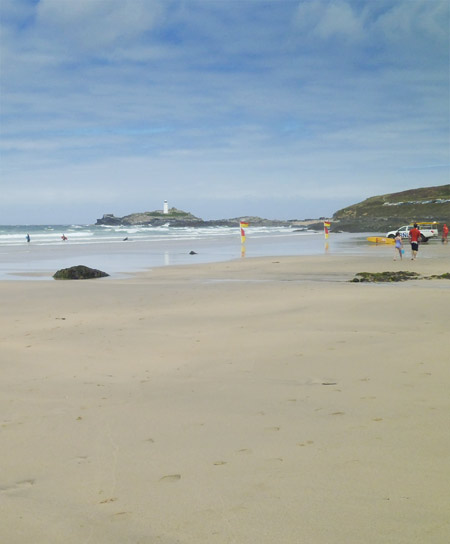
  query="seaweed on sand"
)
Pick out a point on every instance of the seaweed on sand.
point(402, 275)
point(377, 277)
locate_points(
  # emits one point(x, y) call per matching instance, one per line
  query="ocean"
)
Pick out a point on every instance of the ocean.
point(124, 250)
point(105, 234)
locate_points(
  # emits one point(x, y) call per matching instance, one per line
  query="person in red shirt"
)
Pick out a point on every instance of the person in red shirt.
point(444, 234)
point(414, 237)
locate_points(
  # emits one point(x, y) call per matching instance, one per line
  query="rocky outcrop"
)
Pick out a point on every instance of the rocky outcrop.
point(179, 218)
point(155, 218)
point(79, 272)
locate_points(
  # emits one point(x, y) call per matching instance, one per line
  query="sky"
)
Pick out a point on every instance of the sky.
point(226, 108)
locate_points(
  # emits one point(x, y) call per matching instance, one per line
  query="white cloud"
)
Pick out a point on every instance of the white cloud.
point(100, 23)
point(411, 26)
point(423, 19)
point(329, 19)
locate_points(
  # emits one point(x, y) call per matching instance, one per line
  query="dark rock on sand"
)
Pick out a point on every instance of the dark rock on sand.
point(79, 272)
point(192, 253)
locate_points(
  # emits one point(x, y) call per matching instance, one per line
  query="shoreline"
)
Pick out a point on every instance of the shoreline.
point(125, 259)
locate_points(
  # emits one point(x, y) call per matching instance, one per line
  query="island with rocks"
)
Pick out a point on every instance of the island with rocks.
point(180, 218)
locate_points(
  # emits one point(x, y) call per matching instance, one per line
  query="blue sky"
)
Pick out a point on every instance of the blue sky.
point(282, 109)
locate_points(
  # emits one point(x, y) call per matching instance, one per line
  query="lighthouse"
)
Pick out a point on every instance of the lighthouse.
point(165, 207)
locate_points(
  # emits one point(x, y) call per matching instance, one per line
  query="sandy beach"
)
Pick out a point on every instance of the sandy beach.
point(262, 401)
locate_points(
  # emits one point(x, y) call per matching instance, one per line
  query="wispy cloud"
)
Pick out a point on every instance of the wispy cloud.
point(169, 99)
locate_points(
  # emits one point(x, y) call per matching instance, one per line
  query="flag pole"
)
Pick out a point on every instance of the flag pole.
point(243, 225)
point(326, 232)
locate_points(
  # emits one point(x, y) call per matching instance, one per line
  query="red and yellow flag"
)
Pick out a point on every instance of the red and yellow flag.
point(243, 225)
point(326, 226)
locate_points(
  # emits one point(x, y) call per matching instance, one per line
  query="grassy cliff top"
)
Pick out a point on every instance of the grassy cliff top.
point(173, 213)
point(426, 203)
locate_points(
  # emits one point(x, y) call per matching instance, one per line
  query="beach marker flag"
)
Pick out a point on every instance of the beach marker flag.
point(243, 225)
point(326, 226)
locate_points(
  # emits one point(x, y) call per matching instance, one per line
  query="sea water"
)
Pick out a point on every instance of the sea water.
point(106, 234)
point(124, 250)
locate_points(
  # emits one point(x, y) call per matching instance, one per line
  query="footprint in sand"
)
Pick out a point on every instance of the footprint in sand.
point(81, 459)
point(170, 478)
point(6, 423)
point(338, 414)
point(219, 463)
point(244, 451)
point(17, 486)
point(273, 429)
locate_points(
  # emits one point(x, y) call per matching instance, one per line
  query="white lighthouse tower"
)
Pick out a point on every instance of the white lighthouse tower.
point(166, 207)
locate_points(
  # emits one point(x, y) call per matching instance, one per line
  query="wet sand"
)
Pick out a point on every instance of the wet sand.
point(124, 258)
point(260, 400)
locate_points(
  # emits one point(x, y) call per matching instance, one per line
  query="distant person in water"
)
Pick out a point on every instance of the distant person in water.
point(445, 234)
point(28, 237)
point(414, 237)
point(63, 237)
point(398, 245)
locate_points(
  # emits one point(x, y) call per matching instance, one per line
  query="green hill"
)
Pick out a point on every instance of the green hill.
point(390, 211)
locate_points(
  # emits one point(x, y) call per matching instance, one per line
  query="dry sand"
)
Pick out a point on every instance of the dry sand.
point(258, 401)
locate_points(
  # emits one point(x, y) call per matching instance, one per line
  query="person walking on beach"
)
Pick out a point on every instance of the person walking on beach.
point(28, 238)
point(445, 234)
point(414, 237)
point(398, 245)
